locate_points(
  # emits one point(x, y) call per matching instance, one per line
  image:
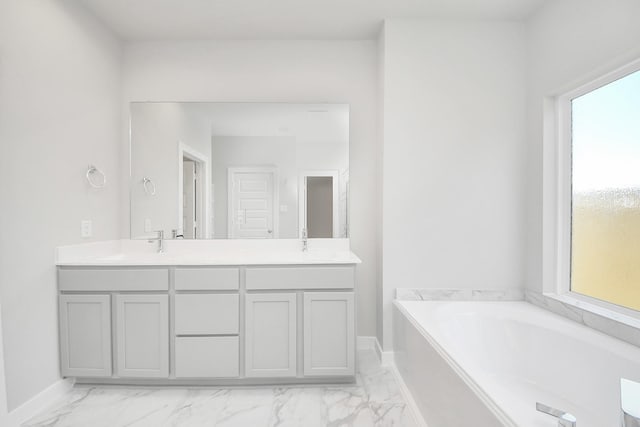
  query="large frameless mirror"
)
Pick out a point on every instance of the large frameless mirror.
point(206, 170)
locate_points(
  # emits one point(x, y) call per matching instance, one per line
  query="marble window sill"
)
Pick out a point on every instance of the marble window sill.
point(625, 327)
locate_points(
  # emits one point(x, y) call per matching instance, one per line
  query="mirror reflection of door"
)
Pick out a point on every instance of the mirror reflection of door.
point(193, 176)
point(320, 207)
point(189, 199)
point(253, 197)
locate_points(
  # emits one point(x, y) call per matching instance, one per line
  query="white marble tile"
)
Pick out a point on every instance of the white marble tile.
point(425, 294)
point(497, 295)
point(374, 400)
point(592, 319)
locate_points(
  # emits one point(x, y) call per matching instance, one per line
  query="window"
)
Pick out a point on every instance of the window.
point(603, 128)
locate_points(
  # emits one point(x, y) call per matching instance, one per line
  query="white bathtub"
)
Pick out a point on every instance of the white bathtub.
point(488, 363)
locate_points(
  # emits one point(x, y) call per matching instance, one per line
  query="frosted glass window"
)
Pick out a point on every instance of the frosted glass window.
point(605, 238)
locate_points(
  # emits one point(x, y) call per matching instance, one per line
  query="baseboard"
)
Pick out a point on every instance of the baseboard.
point(407, 396)
point(385, 357)
point(52, 394)
point(366, 343)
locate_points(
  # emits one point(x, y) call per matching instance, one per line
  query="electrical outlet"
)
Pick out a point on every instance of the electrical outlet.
point(147, 225)
point(86, 228)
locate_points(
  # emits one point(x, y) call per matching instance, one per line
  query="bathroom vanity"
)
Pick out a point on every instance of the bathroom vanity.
point(214, 313)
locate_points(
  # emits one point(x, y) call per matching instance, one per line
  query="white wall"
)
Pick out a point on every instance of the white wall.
point(379, 179)
point(569, 42)
point(156, 131)
point(4, 413)
point(279, 71)
point(59, 111)
point(454, 157)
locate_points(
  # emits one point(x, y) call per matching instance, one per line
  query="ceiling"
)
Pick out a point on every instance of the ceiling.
point(308, 123)
point(136, 20)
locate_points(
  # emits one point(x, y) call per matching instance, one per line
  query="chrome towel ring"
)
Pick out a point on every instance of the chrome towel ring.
point(149, 186)
point(100, 182)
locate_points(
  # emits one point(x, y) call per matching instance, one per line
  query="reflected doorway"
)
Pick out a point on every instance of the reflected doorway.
point(193, 203)
point(319, 210)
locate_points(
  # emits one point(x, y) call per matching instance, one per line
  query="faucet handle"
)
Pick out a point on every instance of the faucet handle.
point(565, 419)
point(159, 236)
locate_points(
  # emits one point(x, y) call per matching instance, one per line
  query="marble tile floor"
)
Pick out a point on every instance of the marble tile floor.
point(375, 400)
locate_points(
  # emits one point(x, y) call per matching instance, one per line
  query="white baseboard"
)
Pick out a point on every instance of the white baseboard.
point(385, 357)
point(47, 397)
point(407, 396)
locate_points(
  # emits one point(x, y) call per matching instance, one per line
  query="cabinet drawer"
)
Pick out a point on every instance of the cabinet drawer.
point(339, 277)
point(206, 314)
point(207, 279)
point(112, 279)
point(207, 357)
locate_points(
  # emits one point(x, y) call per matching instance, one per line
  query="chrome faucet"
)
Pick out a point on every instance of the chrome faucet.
point(565, 419)
point(629, 398)
point(304, 240)
point(160, 239)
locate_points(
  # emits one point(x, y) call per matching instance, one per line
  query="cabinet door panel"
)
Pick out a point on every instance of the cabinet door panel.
point(143, 335)
point(85, 335)
point(270, 328)
point(329, 333)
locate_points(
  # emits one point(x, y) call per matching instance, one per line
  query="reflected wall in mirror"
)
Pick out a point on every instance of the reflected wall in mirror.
point(239, 170)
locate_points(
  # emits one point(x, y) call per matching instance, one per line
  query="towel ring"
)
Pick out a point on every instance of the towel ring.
point(149, 186)
point(91, 171)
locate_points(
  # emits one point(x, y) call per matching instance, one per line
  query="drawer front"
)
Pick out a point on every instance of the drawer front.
point(207, 279)
point(114, 279)
point(206, 314)
point(207, 357)
point(341, 277)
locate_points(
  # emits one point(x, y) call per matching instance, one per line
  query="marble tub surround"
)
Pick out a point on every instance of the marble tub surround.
point(426, 294)
point(374, 401)
point(623, 327)
point(207, 252)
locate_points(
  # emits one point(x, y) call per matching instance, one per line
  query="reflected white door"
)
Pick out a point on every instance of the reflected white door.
point(189, 199)
point(252, 198)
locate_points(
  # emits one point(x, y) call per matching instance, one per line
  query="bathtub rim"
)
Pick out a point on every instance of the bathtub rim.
point(484, 397)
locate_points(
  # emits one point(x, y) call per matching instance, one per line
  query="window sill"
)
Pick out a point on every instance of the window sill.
point(612, 320)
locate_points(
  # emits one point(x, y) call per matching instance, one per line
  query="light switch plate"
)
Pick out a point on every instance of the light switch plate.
point(284, 208)
point(86, 228)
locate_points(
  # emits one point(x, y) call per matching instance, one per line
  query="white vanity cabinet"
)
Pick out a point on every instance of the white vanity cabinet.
point(320, 304)
point(207, 324)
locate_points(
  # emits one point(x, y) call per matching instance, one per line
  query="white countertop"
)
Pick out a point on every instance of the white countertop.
point(206, 252)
